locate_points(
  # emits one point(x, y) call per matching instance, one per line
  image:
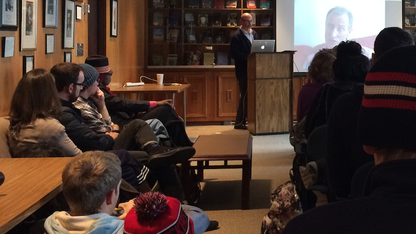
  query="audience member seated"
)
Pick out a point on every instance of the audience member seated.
point(155, 213)
point(123, 112)
point(35, 131)
point(137, 135)
point(34, 114)
point(319, 72)
point(91, 183)
point(350, 68)
point(386, 129)
point(94, 112)
point(345, 153)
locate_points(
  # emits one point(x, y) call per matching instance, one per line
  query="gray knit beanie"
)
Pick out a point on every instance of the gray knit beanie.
point(91, 75)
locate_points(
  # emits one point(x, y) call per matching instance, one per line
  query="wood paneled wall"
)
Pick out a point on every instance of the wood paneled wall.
point(126, 51)
point(11, 69)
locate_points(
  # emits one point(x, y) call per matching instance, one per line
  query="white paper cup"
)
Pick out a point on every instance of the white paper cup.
point(160, 79)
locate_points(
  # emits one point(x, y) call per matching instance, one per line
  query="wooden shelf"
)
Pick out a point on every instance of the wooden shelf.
point(158, 50)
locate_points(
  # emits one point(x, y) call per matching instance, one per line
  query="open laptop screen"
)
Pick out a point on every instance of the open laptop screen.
point(262, 46)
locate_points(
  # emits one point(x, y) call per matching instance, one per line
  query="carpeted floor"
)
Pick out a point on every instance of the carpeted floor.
point(221, 195)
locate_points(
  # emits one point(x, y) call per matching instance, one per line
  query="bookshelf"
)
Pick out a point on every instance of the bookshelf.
point(183, 33)
point(188, 41)
point(409, 16)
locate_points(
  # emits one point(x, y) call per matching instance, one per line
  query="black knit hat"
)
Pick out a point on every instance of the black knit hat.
point(99, 62)
point(387, 117)
point(90, 74)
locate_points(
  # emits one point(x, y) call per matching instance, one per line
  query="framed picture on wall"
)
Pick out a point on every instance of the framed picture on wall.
point(28, 24)
point(79, 13)
point(7, 47)
point(68, 57)
point(113, 18)
point(50, 13)
point(68, 27)
point(50, 43)
point(8, 14)
point(28, 63)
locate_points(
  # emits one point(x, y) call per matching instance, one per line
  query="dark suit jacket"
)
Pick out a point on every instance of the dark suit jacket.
point(240, 48)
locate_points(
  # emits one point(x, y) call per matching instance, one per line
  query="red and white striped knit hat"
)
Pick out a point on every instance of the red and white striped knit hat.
point(387, 117)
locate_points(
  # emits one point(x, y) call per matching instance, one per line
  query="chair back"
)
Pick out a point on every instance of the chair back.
point(317, 143)
point(359, 178)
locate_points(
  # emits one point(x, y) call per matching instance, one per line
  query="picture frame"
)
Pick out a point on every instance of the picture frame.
point(113, 18)
point(68, 29)
point(50, 13)
point(9, 14)
point(49, 43)
point(79, 12)
point(68, 57)
point(28, 25)
point(7, 47)
point(28, 63)
point(80, 50)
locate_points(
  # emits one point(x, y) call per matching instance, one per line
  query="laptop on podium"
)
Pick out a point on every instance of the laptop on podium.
point(262, 46)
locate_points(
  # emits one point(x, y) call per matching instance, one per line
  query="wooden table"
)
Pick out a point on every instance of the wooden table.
point(155, 88)
point(222, 147)
point(29, 184)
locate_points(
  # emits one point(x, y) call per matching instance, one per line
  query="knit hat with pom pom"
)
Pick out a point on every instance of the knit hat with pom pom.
point(155, 213)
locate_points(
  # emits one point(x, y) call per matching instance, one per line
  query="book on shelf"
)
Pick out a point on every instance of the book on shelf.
point(174, 19)
point(209, 58)
point(173, 3)
point(251, 4)
point(220, 38)
point(267, 35)
point(172, 60)
point(193, 3)
point(219, 4)
point(189, 19)
point(222, 58)
point(203, 19)
point(216, 19)
point(206, 3)
point(172, 36)
point(193, 58)
point(158, 34)
point(157, 59)
point(253, 23)
point(158, 18)
point(264, 3)
point(265, 20)
point(207, 37)
point(158, 3)
point(190, 35)
point(231, 4)
point(232, 19)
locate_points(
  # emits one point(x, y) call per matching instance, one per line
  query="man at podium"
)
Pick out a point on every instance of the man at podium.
point(240, 47)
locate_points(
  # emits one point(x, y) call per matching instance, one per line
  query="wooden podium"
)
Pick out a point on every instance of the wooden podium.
point(270, 92)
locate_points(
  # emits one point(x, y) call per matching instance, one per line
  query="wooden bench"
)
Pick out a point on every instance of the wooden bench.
point(222, 147)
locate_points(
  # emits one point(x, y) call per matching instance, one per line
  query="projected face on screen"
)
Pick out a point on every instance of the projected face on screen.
point(322, 24)
point(338, 26)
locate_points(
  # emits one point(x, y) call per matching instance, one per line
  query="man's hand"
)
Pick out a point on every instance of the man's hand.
point(114, 135)
point(98, 99)
point(127, 206)
point(165, 102)
point(115, 126)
